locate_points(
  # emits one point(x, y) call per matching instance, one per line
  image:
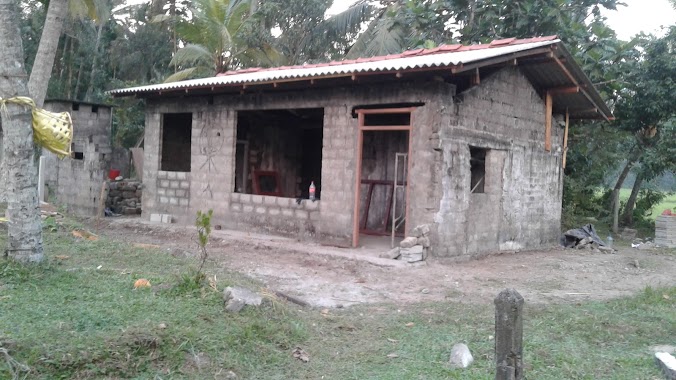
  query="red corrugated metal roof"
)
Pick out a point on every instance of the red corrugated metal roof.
point(409, 53)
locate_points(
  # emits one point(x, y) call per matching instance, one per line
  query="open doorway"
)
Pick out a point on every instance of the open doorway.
point(382, 188)
point(279, 152)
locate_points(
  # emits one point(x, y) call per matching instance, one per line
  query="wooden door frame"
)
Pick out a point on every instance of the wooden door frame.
point(360, 150)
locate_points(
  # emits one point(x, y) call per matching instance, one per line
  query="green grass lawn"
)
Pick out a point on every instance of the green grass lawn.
point(668, 202)
point(79, 318)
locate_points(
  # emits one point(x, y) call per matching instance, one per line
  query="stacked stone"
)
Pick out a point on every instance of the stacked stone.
point(665, 231)
point(413, 248)
point(124, 197)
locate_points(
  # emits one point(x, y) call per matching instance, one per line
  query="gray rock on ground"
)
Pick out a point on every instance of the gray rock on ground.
point(408, 242)
point(461, 357)
point(391, 254)
point(413, 254)
point(236, 298)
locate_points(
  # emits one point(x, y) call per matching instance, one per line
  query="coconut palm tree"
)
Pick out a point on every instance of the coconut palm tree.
point(25, 228)
point(213, 40)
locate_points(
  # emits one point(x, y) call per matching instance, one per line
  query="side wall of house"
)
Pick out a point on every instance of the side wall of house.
point(210, 182)
point(521, 204)
point(77, 183)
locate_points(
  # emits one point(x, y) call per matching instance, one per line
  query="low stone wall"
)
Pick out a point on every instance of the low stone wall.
point(124, 197)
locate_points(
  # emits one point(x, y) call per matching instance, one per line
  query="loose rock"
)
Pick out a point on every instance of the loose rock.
point(408, 242)
point(461, 357)
point(412, 254)
point(391, 254)
point(236, 298)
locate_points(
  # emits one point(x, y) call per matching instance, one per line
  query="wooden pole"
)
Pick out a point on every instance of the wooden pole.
point(565, 139)
point(616, 210)
point(548, 121)
point(509, 335)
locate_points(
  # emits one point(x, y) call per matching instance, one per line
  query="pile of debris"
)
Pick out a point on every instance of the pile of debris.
point(585, 237)
point(413, 248)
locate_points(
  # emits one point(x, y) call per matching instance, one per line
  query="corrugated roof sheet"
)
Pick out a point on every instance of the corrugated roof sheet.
point(444, 55)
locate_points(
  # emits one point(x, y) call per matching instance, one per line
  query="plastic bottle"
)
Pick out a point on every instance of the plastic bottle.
point(610, 241)
point(312, 191)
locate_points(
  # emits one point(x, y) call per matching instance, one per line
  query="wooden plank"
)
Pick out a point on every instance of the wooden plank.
point(565, 139)
point(548, 121)
point(357, 184)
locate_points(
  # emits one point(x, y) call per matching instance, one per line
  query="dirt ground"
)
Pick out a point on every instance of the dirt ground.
point(337, 277)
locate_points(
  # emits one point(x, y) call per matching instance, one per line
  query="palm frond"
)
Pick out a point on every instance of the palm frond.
point(388, 38)
point(181, 75)
point(348, 21)
point(192, 54)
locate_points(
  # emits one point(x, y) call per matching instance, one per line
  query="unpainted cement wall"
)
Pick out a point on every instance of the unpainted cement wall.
point(521, 205)
point(77, 183)
point(213, 152)
point(520, 208)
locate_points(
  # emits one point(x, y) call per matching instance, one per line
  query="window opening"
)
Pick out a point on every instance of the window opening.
point(77, 151)
point(75, 106)
point(176, 141)
point(387, 119)
point(95, 109)
point(477, 163)
point(279, 152)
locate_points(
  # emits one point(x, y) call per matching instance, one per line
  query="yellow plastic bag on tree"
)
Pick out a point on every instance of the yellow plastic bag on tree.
point(53, 131)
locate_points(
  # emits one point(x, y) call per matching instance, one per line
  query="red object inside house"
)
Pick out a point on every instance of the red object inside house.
point(113, 173)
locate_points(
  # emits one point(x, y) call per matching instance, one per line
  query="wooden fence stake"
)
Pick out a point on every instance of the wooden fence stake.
point(509, 335)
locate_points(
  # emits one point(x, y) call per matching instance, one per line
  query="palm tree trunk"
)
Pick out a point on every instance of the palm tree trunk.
point(628, 215)
point(95, 63)
point(49, 42)
point(24, 241)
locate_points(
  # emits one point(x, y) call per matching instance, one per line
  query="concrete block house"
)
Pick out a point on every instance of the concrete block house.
point(469, 140)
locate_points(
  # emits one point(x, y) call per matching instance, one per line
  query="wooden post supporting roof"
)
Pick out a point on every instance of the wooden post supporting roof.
point(548, 122)
point(565, 138)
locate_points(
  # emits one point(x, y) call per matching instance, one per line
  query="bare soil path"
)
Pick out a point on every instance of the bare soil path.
point(335, 277)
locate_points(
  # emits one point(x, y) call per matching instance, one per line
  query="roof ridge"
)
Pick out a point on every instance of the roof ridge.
point(443, 48)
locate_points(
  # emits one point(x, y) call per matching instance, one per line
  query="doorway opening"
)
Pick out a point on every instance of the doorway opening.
point(381, 199)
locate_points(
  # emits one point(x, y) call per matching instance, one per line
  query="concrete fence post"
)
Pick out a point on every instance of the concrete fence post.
point(509, 335)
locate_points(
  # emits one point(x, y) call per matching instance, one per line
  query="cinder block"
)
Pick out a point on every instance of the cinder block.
point(257, 199)
point(269, 200)
point(274, 211)
point(156, 218)
point(300, 214)
point(166, 218)
point(184, 202)
point(181, 175)
point(184, 185)
point(260, 210)
point(171, 175)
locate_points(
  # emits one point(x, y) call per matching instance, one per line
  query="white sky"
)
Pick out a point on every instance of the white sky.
point(637, 16)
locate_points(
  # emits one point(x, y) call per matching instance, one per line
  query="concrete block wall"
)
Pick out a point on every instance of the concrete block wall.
point(173, 188)
point(213, 150)
point(275, 214)
point(521, 206)
point(77, 183)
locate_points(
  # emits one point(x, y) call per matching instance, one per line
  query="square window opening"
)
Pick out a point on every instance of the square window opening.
point(279, 152)
point(75, 106)
point(176, 141)
point(477, 164)
point(77, 151)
